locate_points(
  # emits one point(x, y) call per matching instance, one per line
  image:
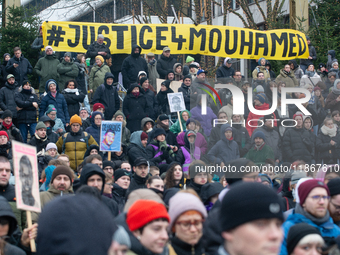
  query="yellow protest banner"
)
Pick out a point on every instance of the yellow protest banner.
point(221, 41)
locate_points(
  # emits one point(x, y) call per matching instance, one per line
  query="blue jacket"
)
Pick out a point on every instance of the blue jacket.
point(328, 229)
point(59, 103)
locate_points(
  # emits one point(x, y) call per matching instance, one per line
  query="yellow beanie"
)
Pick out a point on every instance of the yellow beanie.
point(100, 58)
point(75, 119)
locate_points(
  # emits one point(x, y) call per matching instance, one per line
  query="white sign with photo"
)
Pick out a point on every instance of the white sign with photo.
point(176, 102)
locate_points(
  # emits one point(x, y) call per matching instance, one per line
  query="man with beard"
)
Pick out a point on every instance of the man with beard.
point(260, 152)
point(334, 202)
point(60, 185)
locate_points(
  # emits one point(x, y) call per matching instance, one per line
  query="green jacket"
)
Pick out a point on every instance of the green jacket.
point(67, 71)
point(97, 76)
point(46, 68)
point(176, 128)
point(259, 156)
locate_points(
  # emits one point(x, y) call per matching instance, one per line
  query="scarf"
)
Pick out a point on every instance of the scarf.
point(76, 91)
point(312, 99)
point(26, 91)
point(161, 125)
point(136, 94)
point(42, 139)
point(139, 180)
point(329, 131)
point(336, 91)
point(317, 221)
point(54, 94)
point(259, 147)
point(7, 126)
point(310, 73)
point(230, 139)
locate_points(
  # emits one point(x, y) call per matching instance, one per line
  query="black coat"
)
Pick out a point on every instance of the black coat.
point(93, 50)
point(183, 248)
point(297, 145)
point(327, 152)
point(118, 195)
point(73, 99)
point(241, 136)
point(81, 77)
point(135, 109)
point(4, 73)
point(7, 98)
point(132, 65)
point(108, 96)
point(186, 95)
point(152, 102)
point(40, 144)
point(164, 65)
point(224, 72)
point(162, 100)
point(24, 99)
point(137, 182)
point(21, 71)
point(13, 133)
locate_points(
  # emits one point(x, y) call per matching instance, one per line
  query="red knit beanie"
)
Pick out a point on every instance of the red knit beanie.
point(144, 211)
point(297, 114)
point(4, 133)
point(143, 136)
point(306, 187)
point(96, 106)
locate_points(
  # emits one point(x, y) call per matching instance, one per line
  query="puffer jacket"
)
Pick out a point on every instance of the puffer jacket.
point(97, 76)
point(46, 68)
point(7, 98)
point(288, 78)
point(224, 150)
point(59, 103)
point(75, 146)
point(21, 71)
point(24, 99)
point(67, 71)
point(297, 145)
point(74, 98)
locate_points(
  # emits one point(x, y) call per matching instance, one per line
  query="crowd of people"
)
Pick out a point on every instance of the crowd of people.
point(166, 191)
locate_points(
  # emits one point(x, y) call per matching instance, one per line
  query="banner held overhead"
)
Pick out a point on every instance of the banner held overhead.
point(221, 41)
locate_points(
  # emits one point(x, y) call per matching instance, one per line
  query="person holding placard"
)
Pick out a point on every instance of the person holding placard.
point(162, 98)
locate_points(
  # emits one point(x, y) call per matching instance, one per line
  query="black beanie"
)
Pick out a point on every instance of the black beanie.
point(334, 186)
point(249, 201)
point(196, 168)
point(108, 163)
point(188, 76)
point(297, 232)
point(163, 117)
point(166, 83)
point(158, 131)
point(7, 113)
point(120, 173)
point(142, 80)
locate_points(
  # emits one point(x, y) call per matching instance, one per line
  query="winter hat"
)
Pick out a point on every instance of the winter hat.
point(25, 82)
point(163, 117)
point(62, 170)
point(142, 73)
point(94, 114)
point(108, 163)
point(51, 146)
point(335, 63)
point(4, 133)
point(51, 108)
point(40, 125)
point(194, 65)
point(182, 202)
point(68, 54)
point(48, 47)
point(166, 83)
point(334, 186)
point(188, 76)
point(268, 117)
point(122, 237)
point(259, 134)
point(100, 58)
point(96, 106)
point(118, 113)
point(306, 187)
point(317, 88)
point(158, 131)
point(259, 62)
point(144, 194)
point(141, 161)
point(143, 136)
point(6, 55)
point(189, 121)
point(168, 194)
point(228, 128)
point(210, 189)
point(296, 176)
point(297, 232)
point(227, 60)
point(50, 83)
point(201, 71)
point(10, 76)
point(189, 59)
point(76, 119)
point(142, 80)
point(84, 108)
point(297, 114)
point(7, 113)
point(120, 173)
point(144, 211)
point(195, 168)
point(246, 197)
point(261, 97)
point(321, 65)
point(259, 89)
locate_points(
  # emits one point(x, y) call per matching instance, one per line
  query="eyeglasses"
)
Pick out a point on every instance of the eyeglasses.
point(318, 197)
point(110, 184)
point(98, 118)
point(186, 224)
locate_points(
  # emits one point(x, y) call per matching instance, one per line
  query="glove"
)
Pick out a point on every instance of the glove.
point(15, 132)
point(165, 155)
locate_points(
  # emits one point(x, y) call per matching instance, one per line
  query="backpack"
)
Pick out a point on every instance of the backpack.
point(86, 137)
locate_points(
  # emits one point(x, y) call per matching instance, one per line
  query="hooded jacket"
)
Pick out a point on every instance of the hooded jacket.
point(328, 153)
point(97, 76)
point(175, 128)
point(92, 169)
point(22, 70)
point(312, 53)
point(74, 98)
point(162, 99)
point(24, 99)
point(136, 148)
point(186, 90)
point(132, 65)
point(146, 120)
point(152, 102)
point(331, 59)
point(224, 150)
point(7, 98)
point(3, 71)
point(200, 141)
point(59, 103)
point(288, 78)
point(93, 50)
point(262, 69)
point(47, 68)
point(135, 108)
point(224, 72)
point(126, 132)
point(178, 76)
point(67, 71)
point(164, 64)
point(108, 96)
point(94, 130)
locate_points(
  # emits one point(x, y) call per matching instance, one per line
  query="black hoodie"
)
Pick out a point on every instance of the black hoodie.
point(164, 65)
point(92, 169)
point(108, 96)
point(132, 65)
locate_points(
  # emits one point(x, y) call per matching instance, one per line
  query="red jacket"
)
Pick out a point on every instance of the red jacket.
point(253, 116)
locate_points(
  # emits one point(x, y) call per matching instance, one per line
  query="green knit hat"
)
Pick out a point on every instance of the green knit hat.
point(119, 112)
point(40, 125)
point(189, 59)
